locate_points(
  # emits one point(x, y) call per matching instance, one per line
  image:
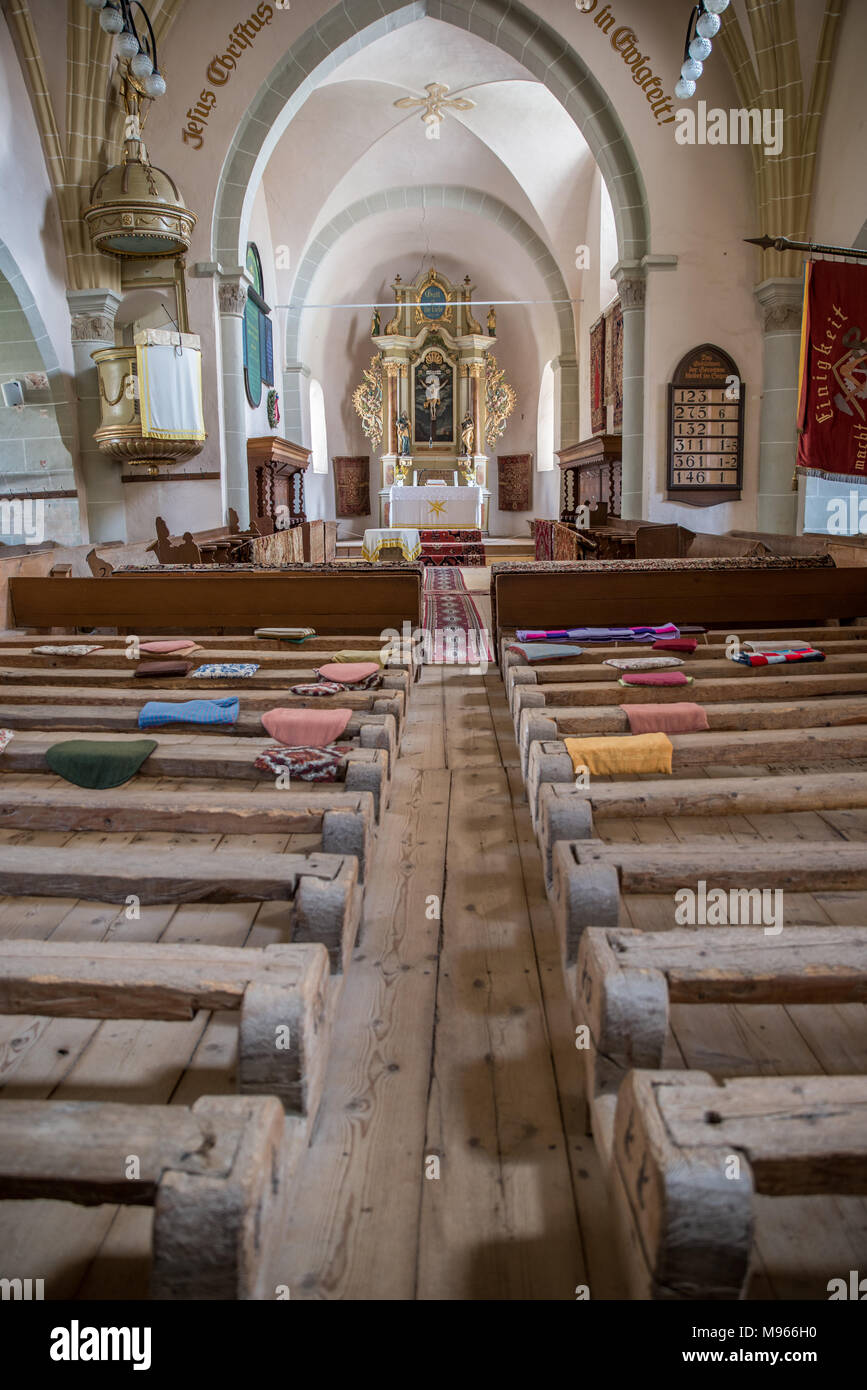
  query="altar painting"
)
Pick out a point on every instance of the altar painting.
point(434, 402)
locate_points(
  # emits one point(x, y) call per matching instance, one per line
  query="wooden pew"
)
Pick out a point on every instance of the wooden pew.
point(322, 890)
point(708, 592)
point(626, 981)
point(280, 987)
point(117, 659)
point(589, 876)
point(344, 821)
point(567, 812)
point(214, 1174)
point(685, 1219)
point(357, 601)
point(182, 756)
point(549, 761)
point(364, 730)
point(551, 722)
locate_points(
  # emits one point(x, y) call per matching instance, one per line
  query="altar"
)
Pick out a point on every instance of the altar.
point(436, 507)
point(432, 401)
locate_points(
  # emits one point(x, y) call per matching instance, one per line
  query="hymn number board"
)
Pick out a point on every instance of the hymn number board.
point(706, 427)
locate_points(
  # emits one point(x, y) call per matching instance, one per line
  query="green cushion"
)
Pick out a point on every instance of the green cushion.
point(99, 763)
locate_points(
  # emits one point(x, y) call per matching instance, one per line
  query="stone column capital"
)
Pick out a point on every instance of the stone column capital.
point(232, 292)
point(92, 315)
point(781, 300)
point(631, 281)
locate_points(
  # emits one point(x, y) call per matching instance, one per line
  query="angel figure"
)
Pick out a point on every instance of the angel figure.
point(468, 435)
point(403, 435)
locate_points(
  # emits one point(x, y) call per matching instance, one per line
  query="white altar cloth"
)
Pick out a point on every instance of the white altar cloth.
point(436, 506)
point(407, 541)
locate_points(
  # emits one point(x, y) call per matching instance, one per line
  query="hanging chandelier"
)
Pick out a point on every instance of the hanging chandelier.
point(706, 18)
point(136, 210)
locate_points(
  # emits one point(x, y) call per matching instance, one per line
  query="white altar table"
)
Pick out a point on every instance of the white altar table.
point(432, 507)
point(385, 542)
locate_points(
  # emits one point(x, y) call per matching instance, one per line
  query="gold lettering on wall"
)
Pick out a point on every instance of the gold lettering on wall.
point(220, 70)
point(626, 42)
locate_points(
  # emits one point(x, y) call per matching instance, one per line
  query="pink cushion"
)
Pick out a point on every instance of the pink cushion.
point(348, 672)
point(681, 718)
point(656, 678)
point(175, 644)
point(313, 728)
point(675, 644)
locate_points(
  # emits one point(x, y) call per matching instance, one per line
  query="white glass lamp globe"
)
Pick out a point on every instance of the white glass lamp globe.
point(127, 45)
point(111, 21)
point(141, 66)
point(700, 49)
point(716, 6)
point(708, 25)
point(155, 85)
point(684, 89)
point(691, 70)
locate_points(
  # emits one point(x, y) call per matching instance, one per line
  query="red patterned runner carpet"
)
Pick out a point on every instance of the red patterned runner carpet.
point(457, 636)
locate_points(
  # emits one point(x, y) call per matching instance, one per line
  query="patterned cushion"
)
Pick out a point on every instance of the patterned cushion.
point(219, 670)
point(305, 764)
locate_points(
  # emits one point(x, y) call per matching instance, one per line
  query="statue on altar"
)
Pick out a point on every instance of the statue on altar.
point(404, 442)
point(468, 436)
point(376, 324)
point(492, 322)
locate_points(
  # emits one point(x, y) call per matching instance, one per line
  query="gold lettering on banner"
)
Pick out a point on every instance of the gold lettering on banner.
point(625, 42)
point(219, 71)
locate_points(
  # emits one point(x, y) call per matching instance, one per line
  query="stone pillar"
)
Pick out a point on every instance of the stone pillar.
point(781, 301)
point(632, 287)
point(93, 313)
point(294, 417)
point(567, 388)
point(233, 287)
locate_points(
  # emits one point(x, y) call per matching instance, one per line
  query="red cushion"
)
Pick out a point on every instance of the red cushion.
point(656, 678)
point(675, 644)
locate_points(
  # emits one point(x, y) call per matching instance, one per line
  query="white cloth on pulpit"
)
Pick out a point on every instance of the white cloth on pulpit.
point(170, 392)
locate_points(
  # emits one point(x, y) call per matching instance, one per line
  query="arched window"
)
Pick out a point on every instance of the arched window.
point(318, 435)
point(258, 333)
point(545, 422)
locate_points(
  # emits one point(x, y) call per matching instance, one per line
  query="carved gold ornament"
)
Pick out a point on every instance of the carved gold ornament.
point(500, 401)
point(434, 107)
point(367, 401)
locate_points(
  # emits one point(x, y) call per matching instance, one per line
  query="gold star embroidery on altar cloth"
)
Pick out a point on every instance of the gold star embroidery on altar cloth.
point(437, 507)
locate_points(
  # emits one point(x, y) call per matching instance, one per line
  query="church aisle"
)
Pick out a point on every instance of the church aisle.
point(443, 1049)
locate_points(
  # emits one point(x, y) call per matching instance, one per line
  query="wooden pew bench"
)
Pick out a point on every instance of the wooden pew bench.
point(185, 756)
point(625, 982)
point(685, 1220)
point(363, 730)
point(343, 821)
point(215, 1175)
point(549, 761)
point(552, 722)
point(322, 891)
point(278, 987)
point(589, 876)
point(567, 812)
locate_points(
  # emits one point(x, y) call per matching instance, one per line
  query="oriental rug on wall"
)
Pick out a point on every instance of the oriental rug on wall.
point(597, 377)
point(352, 486)
point(515, 482)
point(614, 363)
point(832, 402)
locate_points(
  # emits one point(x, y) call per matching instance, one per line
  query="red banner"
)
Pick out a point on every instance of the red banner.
point(832, 404)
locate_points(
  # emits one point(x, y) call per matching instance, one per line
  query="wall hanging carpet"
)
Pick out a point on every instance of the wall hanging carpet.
point(352, 486)
point(614, 363)
point(515, 482)
point(597, 377)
